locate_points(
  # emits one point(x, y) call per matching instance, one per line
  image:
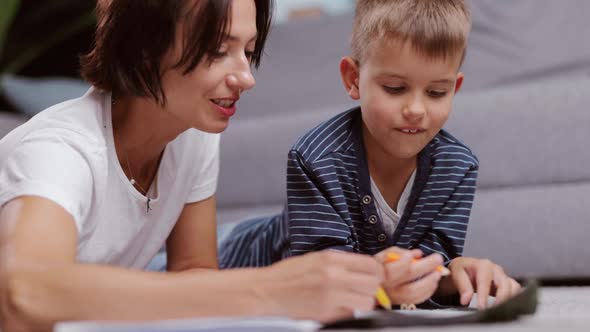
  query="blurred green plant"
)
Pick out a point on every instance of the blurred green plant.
point(8, 9)
point(28, 29)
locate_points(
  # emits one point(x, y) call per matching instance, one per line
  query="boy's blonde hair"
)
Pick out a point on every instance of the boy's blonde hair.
point(435, 28)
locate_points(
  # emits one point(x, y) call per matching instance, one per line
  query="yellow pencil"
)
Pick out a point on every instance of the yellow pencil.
point(383, 299)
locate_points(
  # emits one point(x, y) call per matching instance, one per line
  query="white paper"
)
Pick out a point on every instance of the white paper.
point(258, 324)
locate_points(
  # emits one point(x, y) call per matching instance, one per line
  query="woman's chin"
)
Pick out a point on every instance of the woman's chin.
point(214, 127)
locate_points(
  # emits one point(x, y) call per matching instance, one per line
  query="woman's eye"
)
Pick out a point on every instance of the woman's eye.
point(218, 55)
point(437, 94)
point(394, 89)
point(249, 55)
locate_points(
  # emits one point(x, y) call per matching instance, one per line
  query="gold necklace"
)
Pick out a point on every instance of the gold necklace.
point(137, 185)
point(134, 183)
point(132, 179)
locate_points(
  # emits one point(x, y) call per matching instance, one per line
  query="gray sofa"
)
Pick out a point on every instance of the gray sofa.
point(530, 212)
point(524, 111)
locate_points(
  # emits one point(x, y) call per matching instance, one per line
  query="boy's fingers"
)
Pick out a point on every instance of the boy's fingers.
point(425, 266)
point(515, 287)
point(398, 273)
point(401, 253)
point(463, 285)
point(484, 283)
point(417, 253)
point(422, 289)
point(503, 286)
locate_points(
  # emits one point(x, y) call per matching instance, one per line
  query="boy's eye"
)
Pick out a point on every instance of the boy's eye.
point(436, 93)
point(394, 89)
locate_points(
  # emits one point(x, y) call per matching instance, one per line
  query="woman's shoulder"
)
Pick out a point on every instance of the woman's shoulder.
point(68, 134)
point(78, 122)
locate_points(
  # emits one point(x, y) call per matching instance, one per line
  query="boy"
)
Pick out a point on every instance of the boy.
point(385, 174)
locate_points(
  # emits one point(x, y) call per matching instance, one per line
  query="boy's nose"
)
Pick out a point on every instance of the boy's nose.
point(415, 110)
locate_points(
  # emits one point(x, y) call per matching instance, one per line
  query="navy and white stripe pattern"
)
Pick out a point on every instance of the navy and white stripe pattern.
point(330, 203)
point(254, 243)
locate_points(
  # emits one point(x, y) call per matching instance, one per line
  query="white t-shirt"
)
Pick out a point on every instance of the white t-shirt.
point(389, 217)
point(66, 154)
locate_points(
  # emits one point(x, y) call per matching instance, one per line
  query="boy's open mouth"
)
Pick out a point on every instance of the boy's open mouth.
point(411, 131)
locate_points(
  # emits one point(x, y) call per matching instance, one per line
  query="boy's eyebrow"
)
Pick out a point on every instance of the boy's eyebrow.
point(394, 75)
point(443, 80)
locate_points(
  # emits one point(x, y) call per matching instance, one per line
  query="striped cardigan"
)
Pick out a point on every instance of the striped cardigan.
point(330, 204)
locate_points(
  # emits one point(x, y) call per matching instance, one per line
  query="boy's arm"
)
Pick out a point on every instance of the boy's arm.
point(314, 221)
point(449, 227)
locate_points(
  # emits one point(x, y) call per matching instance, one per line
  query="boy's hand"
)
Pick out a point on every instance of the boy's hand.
point(469, 275)
point(407, 281)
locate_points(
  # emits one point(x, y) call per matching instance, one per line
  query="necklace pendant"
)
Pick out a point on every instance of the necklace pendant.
point(132, 181)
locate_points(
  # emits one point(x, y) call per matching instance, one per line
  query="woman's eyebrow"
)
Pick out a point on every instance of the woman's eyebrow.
point(235, 38)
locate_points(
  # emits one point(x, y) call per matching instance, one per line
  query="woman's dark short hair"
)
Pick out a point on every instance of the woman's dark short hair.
point(133, 36)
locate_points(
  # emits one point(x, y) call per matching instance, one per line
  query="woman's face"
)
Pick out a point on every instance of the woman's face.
point(206, 98)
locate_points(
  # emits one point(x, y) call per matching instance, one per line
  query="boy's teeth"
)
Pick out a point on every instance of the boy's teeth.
point(410, 131)
point(223, 103)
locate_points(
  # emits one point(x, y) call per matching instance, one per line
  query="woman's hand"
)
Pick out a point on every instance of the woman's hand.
point(324, 286)
point(469, 275)
point(411, 279)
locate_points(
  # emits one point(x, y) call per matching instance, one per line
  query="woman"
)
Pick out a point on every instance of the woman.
point(91, 188)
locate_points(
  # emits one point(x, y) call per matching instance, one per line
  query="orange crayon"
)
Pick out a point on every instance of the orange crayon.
point(393, 257)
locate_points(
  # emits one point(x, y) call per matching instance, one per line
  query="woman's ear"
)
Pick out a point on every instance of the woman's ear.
point(349, 72)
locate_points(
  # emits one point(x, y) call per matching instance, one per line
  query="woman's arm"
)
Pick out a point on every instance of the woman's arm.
point(193, 241)
point(41, 284)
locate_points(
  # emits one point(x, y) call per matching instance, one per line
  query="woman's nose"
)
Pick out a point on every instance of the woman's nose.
point(242, 80)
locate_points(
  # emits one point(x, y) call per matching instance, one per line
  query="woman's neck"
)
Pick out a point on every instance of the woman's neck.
point(141, 131)
point(143, 127)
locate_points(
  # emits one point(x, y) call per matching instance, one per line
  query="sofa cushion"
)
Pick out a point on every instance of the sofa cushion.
point(533, 231)
point(254, 156)
point(528, 134)
point(524, 135)
point(9, 121)
point(300, 68)
point(32, 95)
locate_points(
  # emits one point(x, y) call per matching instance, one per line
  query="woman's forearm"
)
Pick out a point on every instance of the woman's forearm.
point(39, 298)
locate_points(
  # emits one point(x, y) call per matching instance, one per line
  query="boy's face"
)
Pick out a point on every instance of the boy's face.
point(405, 97)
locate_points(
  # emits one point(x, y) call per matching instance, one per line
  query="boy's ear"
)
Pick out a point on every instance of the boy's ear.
point(349, 72)
point(459, 82)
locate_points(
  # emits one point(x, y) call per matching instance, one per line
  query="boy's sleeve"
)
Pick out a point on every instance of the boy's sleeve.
point(314, 222)
point(449, 227)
